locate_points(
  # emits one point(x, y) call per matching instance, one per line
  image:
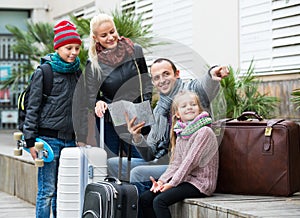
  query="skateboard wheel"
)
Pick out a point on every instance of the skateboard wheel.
point(17, 152)
point(39, 162)
point(39, 146)
point(18, 135)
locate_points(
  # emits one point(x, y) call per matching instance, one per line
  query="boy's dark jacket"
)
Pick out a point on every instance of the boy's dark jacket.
point(51, 116)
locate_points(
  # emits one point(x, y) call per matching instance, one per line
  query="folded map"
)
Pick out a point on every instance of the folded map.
point(142, 111)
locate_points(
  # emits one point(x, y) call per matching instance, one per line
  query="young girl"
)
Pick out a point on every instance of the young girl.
point(193, 167)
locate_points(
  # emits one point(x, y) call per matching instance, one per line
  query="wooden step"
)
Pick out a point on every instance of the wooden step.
point(231, 206)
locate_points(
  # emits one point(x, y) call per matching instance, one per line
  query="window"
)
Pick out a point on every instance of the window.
point(163, 16)
point(270, 34)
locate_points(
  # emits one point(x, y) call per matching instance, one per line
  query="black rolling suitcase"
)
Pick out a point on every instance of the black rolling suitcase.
point(111, 198)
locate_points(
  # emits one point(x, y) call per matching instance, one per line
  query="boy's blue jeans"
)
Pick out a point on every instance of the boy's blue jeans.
point(47, 179)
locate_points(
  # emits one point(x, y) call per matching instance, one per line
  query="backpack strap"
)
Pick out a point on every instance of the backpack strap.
point(78, 74)
point(47, 78)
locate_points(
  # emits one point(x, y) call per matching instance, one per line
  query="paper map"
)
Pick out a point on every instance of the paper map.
point(142, 111)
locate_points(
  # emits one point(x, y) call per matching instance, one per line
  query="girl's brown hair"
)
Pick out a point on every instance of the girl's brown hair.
point(174, 109)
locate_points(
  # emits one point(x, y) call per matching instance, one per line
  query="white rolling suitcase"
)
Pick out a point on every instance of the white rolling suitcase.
point(78, 167)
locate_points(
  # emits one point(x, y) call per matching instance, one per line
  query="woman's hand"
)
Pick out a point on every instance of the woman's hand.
point(134, 130)
point(100, 108)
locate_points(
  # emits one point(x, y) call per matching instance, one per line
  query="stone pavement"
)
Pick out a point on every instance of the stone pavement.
point(217, 206)
point(13, 207)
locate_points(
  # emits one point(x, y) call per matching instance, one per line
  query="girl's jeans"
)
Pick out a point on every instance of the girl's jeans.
point(47, 179)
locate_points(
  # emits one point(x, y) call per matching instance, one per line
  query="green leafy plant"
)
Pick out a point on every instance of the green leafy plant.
point(131, 26)
point(128, 25)
point(296, 98)
point(38, 40)
point(34, 43)
point(240, 92)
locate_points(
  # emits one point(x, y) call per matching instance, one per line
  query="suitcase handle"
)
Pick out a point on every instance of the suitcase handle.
point(244, 116)
point(113, 179)
point(101, 132)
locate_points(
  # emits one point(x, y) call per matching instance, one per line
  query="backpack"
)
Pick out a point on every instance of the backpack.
point(23, 97)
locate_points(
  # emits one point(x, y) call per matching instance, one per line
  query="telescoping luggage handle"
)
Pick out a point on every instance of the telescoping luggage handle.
point(101, 132)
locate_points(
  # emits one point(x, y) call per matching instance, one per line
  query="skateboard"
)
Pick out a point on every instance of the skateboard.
point(44, 150)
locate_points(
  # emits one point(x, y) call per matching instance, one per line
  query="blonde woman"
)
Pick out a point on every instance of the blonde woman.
point(116, 70)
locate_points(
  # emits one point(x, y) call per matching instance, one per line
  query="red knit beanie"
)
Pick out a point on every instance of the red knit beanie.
point(65, 33)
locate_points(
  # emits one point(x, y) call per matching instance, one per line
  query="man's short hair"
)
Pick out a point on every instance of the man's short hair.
point(159, 60)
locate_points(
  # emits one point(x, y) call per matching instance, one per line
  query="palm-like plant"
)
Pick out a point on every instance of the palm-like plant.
point(34, 43)
point(296, 98)
point(241, 94)
point(131, 26)
point(127, 24)
point(38, 40)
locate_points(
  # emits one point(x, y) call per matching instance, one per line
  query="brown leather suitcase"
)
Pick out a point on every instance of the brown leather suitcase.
point(257, 156)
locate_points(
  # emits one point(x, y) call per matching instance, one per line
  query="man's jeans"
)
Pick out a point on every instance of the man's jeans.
point(140, 171)
point(112, 140)
point(47, 179)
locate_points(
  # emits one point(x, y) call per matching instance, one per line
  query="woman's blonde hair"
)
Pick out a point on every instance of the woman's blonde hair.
point(95, 22)
point(174, 109)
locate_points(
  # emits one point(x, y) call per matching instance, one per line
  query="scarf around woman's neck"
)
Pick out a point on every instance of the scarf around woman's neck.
point(185, 130)
point(117, 55)
point(60, 66)
point(159, 131)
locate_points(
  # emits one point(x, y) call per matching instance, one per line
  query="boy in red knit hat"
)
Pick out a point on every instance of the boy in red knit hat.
point(50, 118)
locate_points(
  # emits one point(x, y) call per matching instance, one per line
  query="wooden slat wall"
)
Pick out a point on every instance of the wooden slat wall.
point(282, 89)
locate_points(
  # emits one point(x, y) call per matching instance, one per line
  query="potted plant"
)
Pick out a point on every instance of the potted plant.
point(296, 98)
point(239, 92)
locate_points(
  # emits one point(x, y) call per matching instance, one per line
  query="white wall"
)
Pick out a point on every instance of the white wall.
point(52, 10)
point(28, 4)
point(78, 6)
point(107, 6)
point(212, 33)
point(215, 31)
point(202, 33)
point(38, 7)
point(58, 9)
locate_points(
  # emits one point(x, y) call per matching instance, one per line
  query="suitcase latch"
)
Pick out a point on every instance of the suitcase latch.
point(217, 131)
point(268, 131)
point(91, 172)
